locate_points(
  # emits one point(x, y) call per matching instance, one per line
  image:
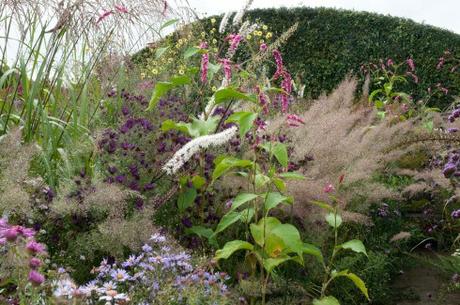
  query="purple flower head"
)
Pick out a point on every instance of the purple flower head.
point(35, 263)
point(120, 275)
point(411, 64)
point(125, 110)
point(263, 47)
point(112, 169)
point(456, 214)
point(36, 278)
point(146, 248)
point(149, 186)
point(34, 247)
point(449, 170)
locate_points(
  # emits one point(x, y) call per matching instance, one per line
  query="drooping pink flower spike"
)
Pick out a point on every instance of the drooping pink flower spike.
point(411, 64)
point(328, 188)
point(121, 9)
point(165, 8)
point(295, 119)
point(204, 63)
point(103, 16)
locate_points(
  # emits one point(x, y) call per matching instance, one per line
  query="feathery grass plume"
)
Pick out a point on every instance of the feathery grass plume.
point(400, 236)
point(188, 150)
point(342, 137)
point(15, 160)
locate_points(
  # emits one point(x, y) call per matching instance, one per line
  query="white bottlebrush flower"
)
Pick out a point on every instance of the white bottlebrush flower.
point(239, 16)
point(247, 28)
point(188, 150)
point(224, 22)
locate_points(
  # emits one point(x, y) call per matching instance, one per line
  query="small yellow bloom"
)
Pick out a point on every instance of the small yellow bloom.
point(259, 33)
point(215, 50)
point(170, 60)
point(214, 88)
point(214, 41)
point(264, 27)
point(213, 30)
point(181, 72)
point(181, 41)
point(213, 20)
point(155, 71)
point(261, 41)
point(248, 37)
point(203, 34)
point(269, 35)
point(142, 75)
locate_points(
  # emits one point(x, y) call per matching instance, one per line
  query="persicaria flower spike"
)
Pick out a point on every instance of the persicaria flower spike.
point(204, 63)
point(411, 64)
point(103, 16)
point(227, 68)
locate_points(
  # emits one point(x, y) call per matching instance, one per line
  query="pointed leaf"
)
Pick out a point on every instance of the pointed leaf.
point(292, 175)
point(334, 220)
point(244, 119)
point(231, 247)
point(186, 199)
point(291, 237)
point(281, 154)
point(323, 205)
point(230, 93)
point(228, 164)
point(356, 280)
point(191, 51)
point(274, 199)
point(329, 300)
point(257, 230)
point(242, 199)
point(168, 23)
point(355, 245)
point(160, 51)
point(310, 249)
point(271, 263)
point(227, 220)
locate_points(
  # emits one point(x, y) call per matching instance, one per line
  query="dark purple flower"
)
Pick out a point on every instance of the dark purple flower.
point(449, 169)
point(125, 110)
point(34, 247)
point(35, 263)
point(452, 130)
point(187, 222)
point(120, 178)
point(112, 169)
point(456, 214)
point(149, 186)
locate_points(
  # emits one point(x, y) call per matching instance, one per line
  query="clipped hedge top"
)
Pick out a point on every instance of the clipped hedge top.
point(330, 43)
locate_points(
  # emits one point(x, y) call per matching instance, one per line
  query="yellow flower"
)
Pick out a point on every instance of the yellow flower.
point(213, 20)
point(142, 75)
point(170, 60)
point(155, 71)
point(213, 30)
point(214, 41)
point(264, 27)
point(214, 88)
point(261, 41)
point(181, 41)
point(203, 34)
point(181, 72)
point(259, 33)
point(215, 50)
point(248, 37)
point(269, 35)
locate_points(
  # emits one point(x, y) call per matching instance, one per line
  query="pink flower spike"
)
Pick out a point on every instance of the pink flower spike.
point(204, 67)
point(411, 64)
point(104, 15)
point(227, 68)
point(329, 188)
point(121, 9)
point(295, 118)
point(165, 8)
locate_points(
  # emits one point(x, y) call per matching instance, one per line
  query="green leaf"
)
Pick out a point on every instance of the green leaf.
point(161, 88)
point(198, 182)
point(227, 220)
point(244, 119)
point(292, 175)
point(274, 199)
point(241, 199)
point(191, 51)
point(257, 230)
point(279, 183)
point(186, 199)
point(228, 164)
point(323, 205)
point(291, 237)
point(334, 220)
point(355, 245)
point(281, 154)
point(230, 93)
point(160, 51)
point(168, 23)
point(170, 124)
point(356, 280)
point(310, 249)
point(203, 232)
point(247, 214)
point(203, 127)
point(328, 300)
point(231, 247)
point(271, 263)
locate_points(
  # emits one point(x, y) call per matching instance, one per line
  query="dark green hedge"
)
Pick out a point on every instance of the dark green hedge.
point(331, 43)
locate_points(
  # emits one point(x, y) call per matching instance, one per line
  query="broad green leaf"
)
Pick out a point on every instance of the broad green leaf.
point(334, 220)
point(271, 263)
point(241, 199)
point(191, 51)
point(160, 51)
point(168, 23)
point(291, 237)
point(356, 280)
point(261, 180)
point(274, 199)
point(228, 164)
point(279, 183)
point(258, 230)
point(203, 232)
point(161, 88)
point(186, 199)
point(198, 182)
point(328, 300)
point(310, 249)
point(230, 93)
point(244, 119)
point(170, 124)
point(323, 205)
point(292, 175)
point(204, 127)
point(227, 220)
point(281, 154)
point(231, 247)
point(275, 246)
point(355, 245)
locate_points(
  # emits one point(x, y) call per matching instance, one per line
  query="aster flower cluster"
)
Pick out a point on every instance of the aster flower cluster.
point(126, 151)
point(18, 242)
point(157, 275)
